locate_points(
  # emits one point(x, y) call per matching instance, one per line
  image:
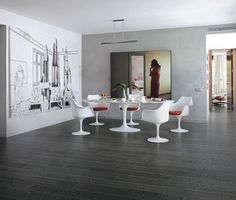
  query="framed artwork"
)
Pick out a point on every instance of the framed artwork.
point(148, 70)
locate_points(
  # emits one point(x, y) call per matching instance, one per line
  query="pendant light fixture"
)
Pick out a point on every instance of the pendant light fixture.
point(116, 40)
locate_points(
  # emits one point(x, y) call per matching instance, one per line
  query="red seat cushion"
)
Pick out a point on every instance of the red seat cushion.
point(100, 108)
point(175, 112)
point(133, 108)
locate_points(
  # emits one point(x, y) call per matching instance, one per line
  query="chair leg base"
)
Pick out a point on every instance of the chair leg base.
point(133, 123)
point(179, 130)
point(96, 124)
point(157, 140)
point(81, 133)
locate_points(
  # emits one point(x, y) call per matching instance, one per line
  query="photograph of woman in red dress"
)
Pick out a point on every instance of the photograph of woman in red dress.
point(155, 71)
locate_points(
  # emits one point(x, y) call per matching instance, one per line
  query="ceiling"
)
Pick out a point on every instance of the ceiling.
point(95, 16)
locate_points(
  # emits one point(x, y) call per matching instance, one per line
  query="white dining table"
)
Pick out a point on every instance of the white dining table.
point(124, 105)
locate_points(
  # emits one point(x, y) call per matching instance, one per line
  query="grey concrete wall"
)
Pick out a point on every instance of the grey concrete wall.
point(188, 60)
point(2, 81)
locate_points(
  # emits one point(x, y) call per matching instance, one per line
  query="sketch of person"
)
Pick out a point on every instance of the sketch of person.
point(67, 72)
point(55, 67)
point(36, 95)
point(18, 86)
point(155, 71)
point(67, 79)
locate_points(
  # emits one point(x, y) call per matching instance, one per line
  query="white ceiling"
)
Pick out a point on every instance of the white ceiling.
point(95, 16)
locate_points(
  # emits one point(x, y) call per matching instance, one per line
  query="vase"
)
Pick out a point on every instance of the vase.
point(125, 94)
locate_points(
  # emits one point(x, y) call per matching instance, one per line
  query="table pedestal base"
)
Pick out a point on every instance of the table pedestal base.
point(96, 124)
point(81, 133)
point(179, 130)
point(124, 129)
point(157, 140)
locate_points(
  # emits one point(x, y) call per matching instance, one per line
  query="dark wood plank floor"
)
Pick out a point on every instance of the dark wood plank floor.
point(50, 163)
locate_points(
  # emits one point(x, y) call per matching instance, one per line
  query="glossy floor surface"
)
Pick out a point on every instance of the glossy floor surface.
point(50, 163)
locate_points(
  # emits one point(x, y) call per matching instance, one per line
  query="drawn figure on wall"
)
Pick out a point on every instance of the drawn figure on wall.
point(67, 72)
point(18, 86)
point(35, 95)
point(45, 75)
point(45, 85)
point(55, 67)
point(155, 72)
point(67, 79)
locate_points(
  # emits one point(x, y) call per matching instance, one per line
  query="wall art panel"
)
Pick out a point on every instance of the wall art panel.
point(40, 73)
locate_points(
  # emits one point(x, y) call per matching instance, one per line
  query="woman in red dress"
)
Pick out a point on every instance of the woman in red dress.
point(155, 72)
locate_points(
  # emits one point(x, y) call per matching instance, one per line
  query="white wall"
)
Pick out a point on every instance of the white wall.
point(27, 123)
point(221, 41)
point(188, 61)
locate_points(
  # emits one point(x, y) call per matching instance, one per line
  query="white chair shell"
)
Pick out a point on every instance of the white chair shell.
point(80, 112)
point(97, 106)
point(179, 110)
point(157, 117)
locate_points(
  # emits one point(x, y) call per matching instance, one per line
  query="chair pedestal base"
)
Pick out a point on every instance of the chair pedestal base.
point(157, 140)
point(96, 124)
point(179, 130)
point(133, 123)
point(81, 133)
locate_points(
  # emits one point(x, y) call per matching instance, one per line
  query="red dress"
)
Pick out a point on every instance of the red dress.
point(155, 80)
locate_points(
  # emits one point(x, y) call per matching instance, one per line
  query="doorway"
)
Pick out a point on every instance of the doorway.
point(222, 86)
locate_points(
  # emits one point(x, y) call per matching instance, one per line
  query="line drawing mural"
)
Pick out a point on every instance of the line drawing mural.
point(18, 79)
point(40, 77)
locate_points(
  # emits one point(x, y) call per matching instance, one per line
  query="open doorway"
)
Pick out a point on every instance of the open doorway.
point(221, 71)
point(222, 88)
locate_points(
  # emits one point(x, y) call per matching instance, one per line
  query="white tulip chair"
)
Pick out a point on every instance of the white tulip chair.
point(80, 112)
point(97, 106)
point(157, 117)
point(180, 109)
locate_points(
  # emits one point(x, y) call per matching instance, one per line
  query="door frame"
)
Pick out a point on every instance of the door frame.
point(210, 78)
point(233, 68)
